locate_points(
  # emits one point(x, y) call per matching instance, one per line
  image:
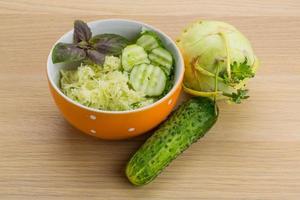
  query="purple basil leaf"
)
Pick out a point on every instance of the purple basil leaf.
point(81, 32)
point(63, 52)
point(96, 56)
point(109, 43)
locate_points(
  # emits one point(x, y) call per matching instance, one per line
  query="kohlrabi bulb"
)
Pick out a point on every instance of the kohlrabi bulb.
point(218, 60)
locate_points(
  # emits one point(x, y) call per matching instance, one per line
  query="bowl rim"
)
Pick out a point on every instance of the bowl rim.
point(170, 93)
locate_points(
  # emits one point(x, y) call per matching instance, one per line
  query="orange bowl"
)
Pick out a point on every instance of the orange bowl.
point(115, 125)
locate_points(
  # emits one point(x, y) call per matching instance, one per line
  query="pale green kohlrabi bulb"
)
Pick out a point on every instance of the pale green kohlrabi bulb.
point(218, 60)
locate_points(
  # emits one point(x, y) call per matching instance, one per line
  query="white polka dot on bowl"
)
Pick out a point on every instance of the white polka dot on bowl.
point(131, 129)
point(93, 131)
point(93, 117)
point(170, 101)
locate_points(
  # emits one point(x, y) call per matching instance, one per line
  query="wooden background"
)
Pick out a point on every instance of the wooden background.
point(252, 153)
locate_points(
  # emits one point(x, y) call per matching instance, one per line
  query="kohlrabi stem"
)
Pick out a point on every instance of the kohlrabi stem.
point(200, 93)
point(228, 60)
point(216, 78)
point(204, 71)
point(213, 94)
point(216, 82)
point(207, 73)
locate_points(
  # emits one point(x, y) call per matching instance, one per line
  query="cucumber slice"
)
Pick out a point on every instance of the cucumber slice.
point(133, 55)
point(163, 58)
point(149, 79)
point(148, 42)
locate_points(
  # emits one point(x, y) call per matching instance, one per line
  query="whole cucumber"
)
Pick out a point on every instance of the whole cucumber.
point(185, 126)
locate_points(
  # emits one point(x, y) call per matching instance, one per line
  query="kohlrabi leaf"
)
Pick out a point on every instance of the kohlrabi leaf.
point(238, 96)
point(81, 32)
point(239, 72)
point(111, 44)
point(95, 56)
point(63, 52)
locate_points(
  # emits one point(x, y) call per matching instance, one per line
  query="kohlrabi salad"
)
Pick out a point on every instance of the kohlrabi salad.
point(114, 73)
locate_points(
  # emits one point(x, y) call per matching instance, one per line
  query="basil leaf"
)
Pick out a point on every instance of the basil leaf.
point(63, 52)
point(81, 32)
point(96, 56)
point(109, 43)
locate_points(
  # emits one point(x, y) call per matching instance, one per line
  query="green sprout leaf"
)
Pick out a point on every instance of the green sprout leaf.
point(239, 72)
point(237, 97)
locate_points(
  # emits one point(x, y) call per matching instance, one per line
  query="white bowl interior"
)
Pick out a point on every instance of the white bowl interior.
point(127, 28)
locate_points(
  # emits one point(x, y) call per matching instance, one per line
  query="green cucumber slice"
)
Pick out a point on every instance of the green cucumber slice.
point(133, 55)
point(149, 79)
point(148, 42)
point(162, 58)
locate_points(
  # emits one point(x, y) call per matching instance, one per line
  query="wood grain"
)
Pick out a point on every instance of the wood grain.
point(252, 153)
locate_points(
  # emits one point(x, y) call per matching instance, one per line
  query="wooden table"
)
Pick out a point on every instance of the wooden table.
point(252, 153)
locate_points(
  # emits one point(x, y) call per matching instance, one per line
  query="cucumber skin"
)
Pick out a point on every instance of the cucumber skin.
point(185, 126)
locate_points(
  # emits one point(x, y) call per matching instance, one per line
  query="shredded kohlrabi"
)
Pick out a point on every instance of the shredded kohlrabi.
point(102, 87)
